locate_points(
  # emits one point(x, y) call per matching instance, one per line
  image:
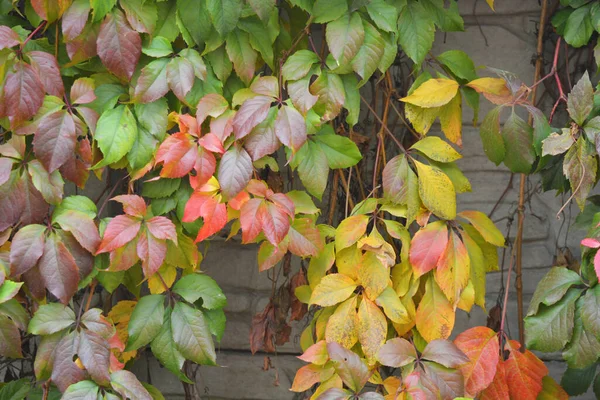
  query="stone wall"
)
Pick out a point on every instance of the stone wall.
point(505, 40)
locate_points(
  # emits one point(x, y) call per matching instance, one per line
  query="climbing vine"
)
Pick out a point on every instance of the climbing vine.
point(132, 130)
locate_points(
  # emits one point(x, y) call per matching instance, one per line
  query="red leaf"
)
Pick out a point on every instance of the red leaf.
point(84, 46)
point(119, 46)
point(24, 91)
point(275, 222)
point(180, 75)
point(27, 248)
point(6, 165)
point(262, 141)
point(222, 126)
point(269, 255)
point(211, 142)
point(83, 258)
point(132, 204)
point(257, 188)
point(213, 105)
point(305, 238)
point(74, 19)
point(55, 140)
point(249, 221)
point(65, 372)
point(427, 247)
point(120, 230)
point(152, 83)
point(205, 167)
point(188, 124)
point(151, 251)
point(235, 171)
point(591, 243)
point(8, 37)
point(290, 128)
point(76, 168)
point(238, 201)
point(178, 154)
point(250, 114)
point(58, 269)
point(481, 345)
point(213, 213)
point(524, 373)
point(498, 389)
point(283, 201)
point(12, 196)
point(94, 353)
point(47, 68)
point(34, 207)
point(82, 91)
point(162, 228)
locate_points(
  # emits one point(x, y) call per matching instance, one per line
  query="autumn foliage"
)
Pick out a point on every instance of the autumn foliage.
point(250, 119)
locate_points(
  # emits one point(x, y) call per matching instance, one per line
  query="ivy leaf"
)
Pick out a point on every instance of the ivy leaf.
point(353, 371)
point(459, 63)
point(436, 191)
point(305, 238)
point(152, 84)
point(524, 373)
point(371, 51)
point(119, 46)
point(480, 344)
point(344, 37)
point(51, 318)
point(435, 315)
point(180, 75)
point(49, 185)
point(332, 289)
point(24, 91)
point(383, 14)
point(433, 93)
point(290, 128)
point(272, 218)
point(74, 19)
point(590, 312)
point(165, 350)
point(195, 286)
point(263, 141)
point(552, 327)
point(94, 353)
point(416, 31)
point(212, 211)
point(580, 167)
point(27, 248)
point(435, 148)
point(241, 54)
point(342, 325)
point(372, 329)
point(518, 140)
point(341, 151)
point(58, 269)
point(427, 247)
point(298, 64)
point(580, 100)
point(250, 114)
point(146, 321)
point(121, 230)
point(55, 139)
point(47, 68)
point(191, 335)
point(235, 171)
point(224, 14)
point(64, 371)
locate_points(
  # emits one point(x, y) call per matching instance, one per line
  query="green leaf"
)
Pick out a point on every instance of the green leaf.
point(328, 10)
point(583, 348)
point(241, 54)
point(552, 288)
point(590, 311)
point(302, 202)
point(15, 390)
point(263, 8)
point(518, 140)
point(260, 39)
point(578, 28)
point(459, 63)
point(383, 14)
point(447, 19)
point(352, 102)
point(580, 167)
point(215, 319)
point(436, 191)
point(581, 100)
point(84, 390)
point(8, 290)
point(577, 381)
point(166, 25)
point(491, 138)
point(163, 187)
point(165, 350)
point(298, 64)
point(115, 133)
point(142, 15)
point(367, 59)
point(15, 311)
point(345, 36)
point(224, 14)
point(341, 152)
point(158, 47)
point(192, 335)
point(552, 326)
point(436, 149)
point(50, 318)
point(195, 286)
point(10, 339)
point(416, 31)
point(195, 19)
point(146, 321)
point(313, 168)
point(100, 8)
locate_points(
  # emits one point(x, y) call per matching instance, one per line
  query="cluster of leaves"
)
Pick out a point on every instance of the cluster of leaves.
point(193, 102)
point(576, 21)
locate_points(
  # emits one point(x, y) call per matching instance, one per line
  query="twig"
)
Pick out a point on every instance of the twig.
point(384, 126)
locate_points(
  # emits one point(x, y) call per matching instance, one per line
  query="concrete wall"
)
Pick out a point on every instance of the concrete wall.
point(504, 40)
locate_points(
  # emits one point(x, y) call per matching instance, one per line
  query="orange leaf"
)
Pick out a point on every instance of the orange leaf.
point(481, 345)
point(454, 267)
point(498, 389)
point(524, 373)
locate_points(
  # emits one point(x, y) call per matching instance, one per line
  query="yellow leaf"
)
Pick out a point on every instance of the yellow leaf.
point(436, 191)
point(348, 261)
point(320, 264)
point(321, 324)
point(467, 298)
point(435, 315)
point(421, 118)
point(374, 243)
point(168, 273)
point(493, 86)
point(373, 276)
point(392, 306)
point(477, 270)
point(334, 382)
point(120, 315)
point(343, 324)
point(350, 230)
point(484, 226)
point(402, 275)
point(392, 385)
point(454, 268)
point(491, 4)
point(372, 329)
point(306, 338)
point(403, 329)
point(451, 120)
point(332, 289)
point(433, 93)
point(436, 149)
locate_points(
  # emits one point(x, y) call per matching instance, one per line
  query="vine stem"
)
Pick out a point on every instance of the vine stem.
point(32, 34)
point(521, 217)
point(387, 130)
